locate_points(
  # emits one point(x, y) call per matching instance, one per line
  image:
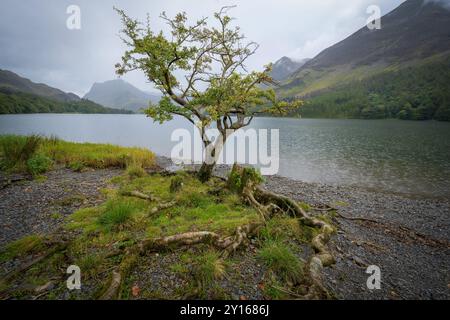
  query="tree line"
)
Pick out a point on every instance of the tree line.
point(413, 93)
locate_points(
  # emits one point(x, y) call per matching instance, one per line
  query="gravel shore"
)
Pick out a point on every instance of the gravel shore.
point(39, 207)
point(410, 240)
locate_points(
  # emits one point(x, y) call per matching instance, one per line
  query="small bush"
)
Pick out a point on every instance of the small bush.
point(39, 164)
point(117, 213)
point(280, 259)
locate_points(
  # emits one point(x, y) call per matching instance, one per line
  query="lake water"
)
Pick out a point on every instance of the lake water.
point(389, 155)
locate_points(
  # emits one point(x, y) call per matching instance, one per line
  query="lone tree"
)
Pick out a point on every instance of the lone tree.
point(200, 70)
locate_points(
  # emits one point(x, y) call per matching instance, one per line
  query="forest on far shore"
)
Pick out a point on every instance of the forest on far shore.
point(413, 93)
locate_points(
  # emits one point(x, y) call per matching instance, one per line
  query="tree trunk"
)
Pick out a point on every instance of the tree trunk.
point(212, 153)
point(205, 172)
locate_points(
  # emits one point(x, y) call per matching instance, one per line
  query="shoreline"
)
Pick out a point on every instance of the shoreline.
point(411, 244)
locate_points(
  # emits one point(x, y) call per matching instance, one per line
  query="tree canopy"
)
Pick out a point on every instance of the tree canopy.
point(201, 71)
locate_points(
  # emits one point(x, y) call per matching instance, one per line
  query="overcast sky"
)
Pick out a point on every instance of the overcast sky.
point(35, 42)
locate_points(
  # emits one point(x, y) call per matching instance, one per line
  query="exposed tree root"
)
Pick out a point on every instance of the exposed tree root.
point(118, 275)
point(113, 289)
point(162, 206)
point(55, 245)
point(227, 245)
point(268, 203)
point(140, 195)
point(287, 205)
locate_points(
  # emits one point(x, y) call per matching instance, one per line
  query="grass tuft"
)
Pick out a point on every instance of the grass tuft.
point(117, 214)
point(280, 259)
point(135, 171)
point(16, 151)
point(207, 268)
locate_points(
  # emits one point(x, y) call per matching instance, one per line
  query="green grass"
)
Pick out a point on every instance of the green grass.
point(34, 153)
point(15, 152)
point(117, 214)
point(122, 222)
point(135, 171)
point(195, 209)
point(21, 247)
point(90, 264)
point(207, 268)
point(280, 259)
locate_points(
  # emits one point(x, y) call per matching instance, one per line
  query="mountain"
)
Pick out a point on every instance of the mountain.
point(12, 81)
point(399, 71)
point(285, 67)
point(120, 94)
point(21, 95)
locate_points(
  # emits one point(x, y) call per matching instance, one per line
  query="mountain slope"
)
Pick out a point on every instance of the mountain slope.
point(12, 81)
point(283, 68)
point(21, 95)
point(415, 34)
point(13, 102)
point(120, 94)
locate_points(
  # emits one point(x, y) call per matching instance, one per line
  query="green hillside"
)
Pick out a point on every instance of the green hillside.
point(411, 93)
point(400, 71)
point(19, 102)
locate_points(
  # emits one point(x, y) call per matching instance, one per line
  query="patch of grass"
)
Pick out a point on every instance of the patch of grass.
point(90, 264)
point(135, 171)
point(117, 214)
point(76, 166)
point(195, 209)
point(85, 219)
point(26, 245)
point(70, 200)
point(56, 215)
point(98, 156)
point(15, 151)
point(39, 164)
point(179, 268)
point(271, 290)
point(207, 268)
point(279, 258)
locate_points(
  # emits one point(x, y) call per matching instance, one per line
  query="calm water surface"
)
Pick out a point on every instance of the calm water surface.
point(389, 155)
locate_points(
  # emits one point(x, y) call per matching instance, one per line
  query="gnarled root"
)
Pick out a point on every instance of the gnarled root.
point(268, 203)
point(286, 204)
point(113, 289)
point(227, 244)
point(322, 258)
point(140, 195)
point(162, 206)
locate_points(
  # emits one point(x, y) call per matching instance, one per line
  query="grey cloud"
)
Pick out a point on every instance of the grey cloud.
point(35, 42)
